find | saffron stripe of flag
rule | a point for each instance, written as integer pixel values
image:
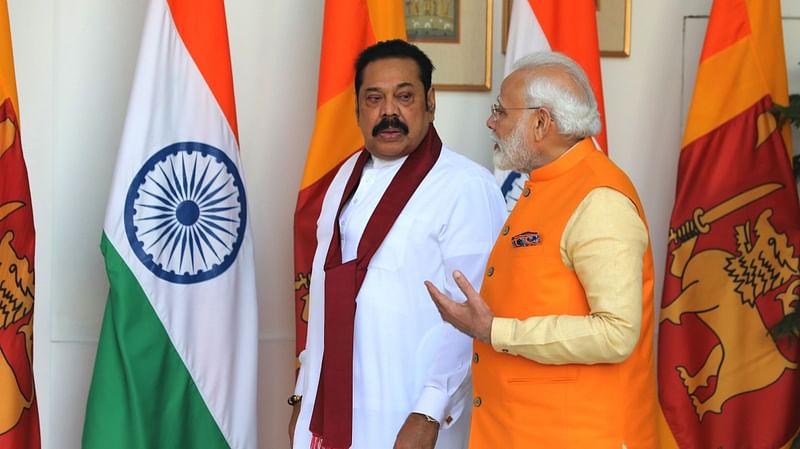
(176, 364)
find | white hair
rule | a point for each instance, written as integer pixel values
(574, 116)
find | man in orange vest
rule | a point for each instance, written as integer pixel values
(563, 324)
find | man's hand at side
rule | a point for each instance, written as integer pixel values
(293, 423)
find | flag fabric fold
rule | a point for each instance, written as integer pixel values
(349, 26)
(552, 25)
(176, 363)
(733, 264)
(19, 415)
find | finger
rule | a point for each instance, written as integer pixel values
(463, 283)
(443, 303)
(437, 296)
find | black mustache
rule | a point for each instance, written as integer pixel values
(393, 122)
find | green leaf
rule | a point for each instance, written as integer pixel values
(790, 113)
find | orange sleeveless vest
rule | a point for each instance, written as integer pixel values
(522, 404)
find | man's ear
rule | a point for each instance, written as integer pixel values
(430, 100)
(542, 122)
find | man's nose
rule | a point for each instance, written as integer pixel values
(490, 122)
(389, 108)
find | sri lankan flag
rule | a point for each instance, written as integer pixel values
(19, 416)
(349, 26)
(733, 268)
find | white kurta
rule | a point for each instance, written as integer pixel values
(406, 358)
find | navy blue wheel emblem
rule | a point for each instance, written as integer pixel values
(185, 213)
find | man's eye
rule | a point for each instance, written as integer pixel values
(372, 99)
(405, 97)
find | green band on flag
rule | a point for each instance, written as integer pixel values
(128, 408)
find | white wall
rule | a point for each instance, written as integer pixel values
(75, 63)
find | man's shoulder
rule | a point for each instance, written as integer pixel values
(458, 164)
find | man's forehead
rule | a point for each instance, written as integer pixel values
(378, 86)
(511, 87)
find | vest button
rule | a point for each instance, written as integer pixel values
(475, 357)
(490, 271)
(477, 401)
(505, 230)
(526, 192)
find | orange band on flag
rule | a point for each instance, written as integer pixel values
(717, 99)
(345, 33)
(335, 137)
(8, 82)
(731, 27)
(201, 25)
(383, 16)
(740, 31)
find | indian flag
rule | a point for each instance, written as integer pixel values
(177, 359)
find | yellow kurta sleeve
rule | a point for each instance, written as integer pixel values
(604, 243)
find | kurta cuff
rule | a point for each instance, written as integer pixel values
(433, 402)
(502, 337)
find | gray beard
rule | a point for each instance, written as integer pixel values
(511, 154)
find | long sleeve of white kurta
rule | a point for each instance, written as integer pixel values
(462, 241)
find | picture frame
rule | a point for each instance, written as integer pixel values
(457, 36)
(613, 26)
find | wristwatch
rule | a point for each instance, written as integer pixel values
(294, 399)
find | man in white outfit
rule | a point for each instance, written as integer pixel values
(380, 368)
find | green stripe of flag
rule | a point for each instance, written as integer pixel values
(127, 408)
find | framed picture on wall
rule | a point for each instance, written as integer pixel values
(613, 26)
(457, 36)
